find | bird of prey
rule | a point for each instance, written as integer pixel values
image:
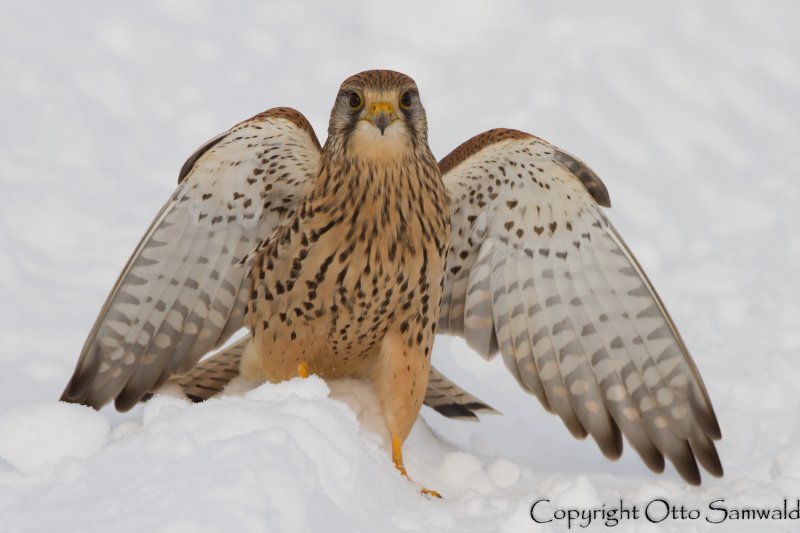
(347, 259)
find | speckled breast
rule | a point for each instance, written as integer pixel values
(337, 280)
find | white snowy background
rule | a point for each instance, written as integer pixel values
(688, 110)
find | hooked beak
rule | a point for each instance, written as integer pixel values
(380, 115)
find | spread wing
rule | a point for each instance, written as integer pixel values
(183, 291)
(537, 272)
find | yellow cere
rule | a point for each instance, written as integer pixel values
(381, 106)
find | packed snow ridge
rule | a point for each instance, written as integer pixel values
(285, 457)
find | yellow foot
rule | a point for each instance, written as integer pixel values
(397, 458)
(302, 369)
(431, 493)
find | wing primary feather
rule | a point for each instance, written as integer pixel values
(500, 309)
(583, 385)
(523, 346)
(149, 361)
(544, 350)
(704, 409)
(657, 379)
(197, 283)
(110, 381)
(657, 421)
(79, 388)
(163, 284)
(207, 338)
(620, 395)
(705, 451)
(149, 347)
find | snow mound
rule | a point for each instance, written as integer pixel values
(299, 456)
(503, 473)
(577, 493)
(36, 435)
(284, 457)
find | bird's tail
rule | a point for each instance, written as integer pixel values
(452, 401)
(210, 376)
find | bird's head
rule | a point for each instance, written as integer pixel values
(378, 115)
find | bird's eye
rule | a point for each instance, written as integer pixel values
(355, 100)
(405, 99)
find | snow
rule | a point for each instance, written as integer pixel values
(576, 493)
(787, 464)
(503, 473)
(35, 435)
(687, 110)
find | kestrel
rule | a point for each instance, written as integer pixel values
(345, 260)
